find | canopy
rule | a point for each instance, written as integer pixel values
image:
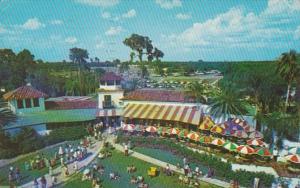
(255, 142)
(245, 149)
(265, 152)
(193, 136)
(151, 129)
(207, 123)
(184, 114)
(230, 146)
(293, 158)
(294, 150)
(218, 142)
(206, 139)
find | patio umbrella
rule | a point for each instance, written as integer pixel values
(264, 152)
(240, 134)
(151, 129)
(293, 158)
(86, 171)
(217, 129)
(207, 123)
(193, 136)
(223, 125)
(162, 130)
(228, 132)
(256, 134)
(218, 142)
(245, 149)
(230, 146)
(174, 131)
(128, 127)
(255, 142)
(234, 126)
(248, 128)
(294, 150)
(183, 133)
(205, 139)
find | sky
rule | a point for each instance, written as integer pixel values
(185, 30)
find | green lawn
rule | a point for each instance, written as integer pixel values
(118, 163)
(28, 176)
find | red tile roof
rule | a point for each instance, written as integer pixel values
(110, 76)
(24, 92)
(70, 102)
(159, 95)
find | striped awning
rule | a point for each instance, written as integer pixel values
(184, 114)
(109, 112)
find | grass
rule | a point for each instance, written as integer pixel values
(118, 163)
(28, 176)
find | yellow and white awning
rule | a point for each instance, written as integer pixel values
(184, 114)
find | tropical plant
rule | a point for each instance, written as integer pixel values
(288, 70)
(227, 103)
(198, 91)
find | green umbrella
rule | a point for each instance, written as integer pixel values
(230, 146)
(205, 139)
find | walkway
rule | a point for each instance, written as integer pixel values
(94, 150)
(173, 167)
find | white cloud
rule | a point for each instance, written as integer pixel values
(297, 33)
(99, 3)
(56, 22)
(131, 13)
(71, 40)
(183, 16)
(33, 24)
(106, 15)
(114, 31)
(169, 4)
(282, 6)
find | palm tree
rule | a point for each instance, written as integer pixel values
(287, 69)
(6, 115)
(198, 90)
(226, 104)
(124, 66)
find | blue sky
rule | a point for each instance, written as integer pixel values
(212, 30)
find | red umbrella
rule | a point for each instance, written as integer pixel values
(255, 142)
(293, 158)
(265, 152)
(218, 142)
(245, 149)
(174, 131)
(128, 127)
(151, 129)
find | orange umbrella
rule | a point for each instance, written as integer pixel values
(244, 149)
(151, 129)
(217, 129)
(174, 131)
(207, 123)
(218, 142)
(193, 136)
(255, 142)
(293, 158)
(206, 139)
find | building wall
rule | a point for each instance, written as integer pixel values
(14, 106)
(115, 97)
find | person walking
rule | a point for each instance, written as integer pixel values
(35, 183)
(43, 182)
(126, 150)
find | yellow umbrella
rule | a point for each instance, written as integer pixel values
(207, 123)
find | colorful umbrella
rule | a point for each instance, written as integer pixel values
(218, 142)
(294, 150)
(193, 136)
(248, 128)
(206, 139)
(128, 127)
(293, 158)
(217, 129)
(174, 131)
(207, 123)
(151, 129)
(162, 130)
(255, 142)
(234, 126)
(240, 134)
(228, 132)
(183, 133)
(223, 125)
(245, 149)
(230, 146)
(256, 134)
(264, 152)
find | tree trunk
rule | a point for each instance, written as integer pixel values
(287, 96)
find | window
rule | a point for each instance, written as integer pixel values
(118, 82)
(28, 103)
(102, 82)
(110, 82)
(20, 104)
(36, 102)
